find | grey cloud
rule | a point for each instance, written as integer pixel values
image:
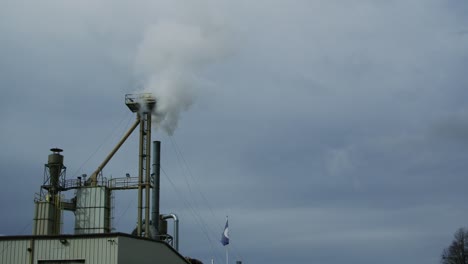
(332, 132)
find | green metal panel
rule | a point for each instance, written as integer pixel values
(147, 252)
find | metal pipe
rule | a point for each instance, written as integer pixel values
(148, 173)
(156, 187)
(31, 251)
(176, 229)
(93, 178)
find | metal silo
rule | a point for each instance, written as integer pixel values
(92, 213)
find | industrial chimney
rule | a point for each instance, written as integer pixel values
(48, 214)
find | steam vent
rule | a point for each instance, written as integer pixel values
(90, 198)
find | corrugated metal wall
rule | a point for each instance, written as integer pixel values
(14, 251)
(93, 250)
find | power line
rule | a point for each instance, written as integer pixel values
(181, 159)
(111, 135)
(194, 213)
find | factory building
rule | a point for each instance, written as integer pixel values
(112, 248)
(93, 241)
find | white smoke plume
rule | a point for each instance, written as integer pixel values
(170, 59)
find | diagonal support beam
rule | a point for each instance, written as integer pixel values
(93, 178)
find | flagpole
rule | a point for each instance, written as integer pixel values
(227, 254)
(227, 246)
(225, 240)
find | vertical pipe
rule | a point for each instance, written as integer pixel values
(140, 176)
(31, 251)
(176, 229)
(176, 232)
(156, 188)
(148, 174)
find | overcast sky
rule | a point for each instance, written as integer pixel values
(329, 131)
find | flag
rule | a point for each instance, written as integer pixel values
(225, 236)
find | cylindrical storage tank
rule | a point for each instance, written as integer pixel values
(55, 165)
(46, 219)
(92, 214)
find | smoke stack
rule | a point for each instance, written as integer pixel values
(156, 181)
